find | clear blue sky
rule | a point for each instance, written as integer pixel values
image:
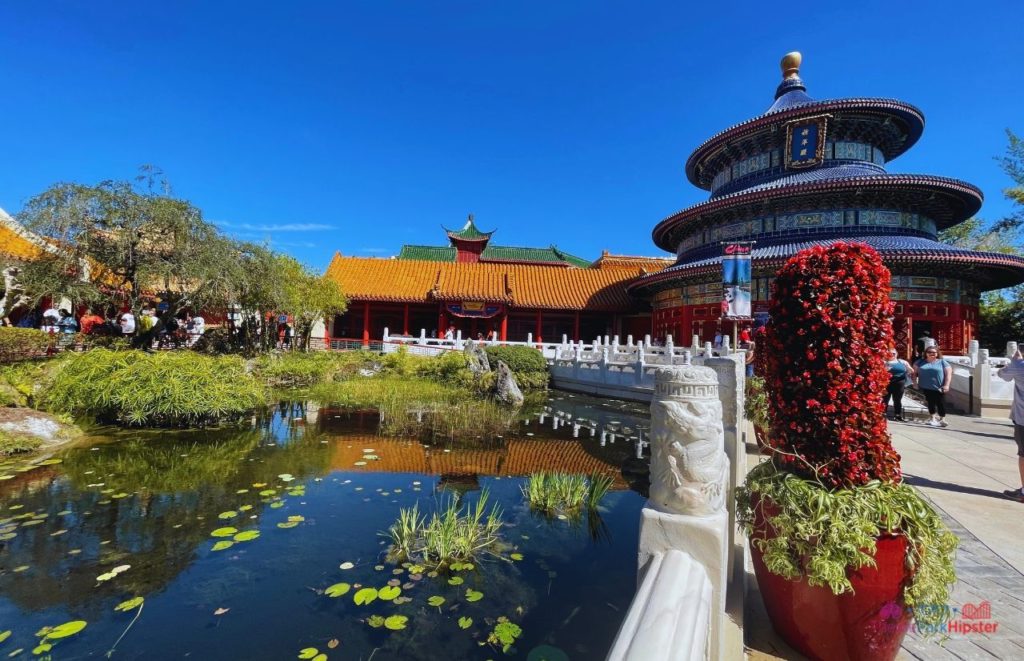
(362, 126)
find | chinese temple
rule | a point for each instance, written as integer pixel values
(476, 288)
(809, 172)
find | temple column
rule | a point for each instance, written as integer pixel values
(576, 327)
(504, 327)
(366, 324)
(405, 320)
(442, 322)
(536, 336)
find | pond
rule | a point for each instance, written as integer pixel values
(301, 502)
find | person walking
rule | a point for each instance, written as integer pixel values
(1015, 372)
(127, 322)
(900, 372)
(89, 321)
(932, 374)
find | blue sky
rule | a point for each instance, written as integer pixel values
(360, 126)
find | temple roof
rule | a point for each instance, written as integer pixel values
(946, 201)
(518, 285)
(491, 253)
(469, 232)
(989, 269)
(14, 239)
(638, 264)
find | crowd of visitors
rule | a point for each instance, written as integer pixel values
(183, 330)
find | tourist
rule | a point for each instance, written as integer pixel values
(745, 335)
(922, 343)
(146, 320)
(718, 340)
(1015, 372)
(127, 322)
(67, 324)
(900, 372)
(89, 321)
(750, 358)
(196, 330)
(51, 317)
(449, 334)
(932, 374)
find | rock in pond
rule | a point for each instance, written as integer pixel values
(506, 390)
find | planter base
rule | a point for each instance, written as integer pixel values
(869, 623)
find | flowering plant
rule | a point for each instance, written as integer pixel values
(824, 369)
(832, 459)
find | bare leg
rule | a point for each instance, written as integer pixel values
(1020, 469)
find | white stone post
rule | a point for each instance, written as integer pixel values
(731, 388)
(972, 350)
(458, 339)
(687, 510)
(708, 351)
(725, 350)
(529, 339)
(669, 350)
(385, 338)
(629, 341)
(647, 341)
(1011, 348)
(695, 345)
(423, 336)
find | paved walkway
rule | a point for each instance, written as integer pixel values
(962, 470)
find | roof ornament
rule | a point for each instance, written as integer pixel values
(791, 65)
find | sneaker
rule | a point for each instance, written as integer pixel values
(943, 423)
(1014, 494)
(934, 423)
(900, 418)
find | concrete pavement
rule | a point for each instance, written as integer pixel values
(962, 470)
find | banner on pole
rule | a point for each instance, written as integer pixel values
(736, 281)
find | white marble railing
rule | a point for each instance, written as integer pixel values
(669, 619)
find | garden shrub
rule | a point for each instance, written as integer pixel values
(23, 343)
(13, 443)
(301, 369)
(165, 389)
(528, 365)
(113, 342)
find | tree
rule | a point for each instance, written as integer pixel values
(1013, 165)
(308, 297)
(120, 243)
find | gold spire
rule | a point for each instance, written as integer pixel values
(791, 65)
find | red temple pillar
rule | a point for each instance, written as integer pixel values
(366, 324)
(536, 336)
(576, 327)
(405, 320)
(504, 327)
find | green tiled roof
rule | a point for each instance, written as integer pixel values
(469, 231)
(494, 253)
(428, 253)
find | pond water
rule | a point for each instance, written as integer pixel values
(131, 514)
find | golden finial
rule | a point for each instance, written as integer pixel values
(791, 65)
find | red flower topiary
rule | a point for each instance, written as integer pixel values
(822, 358)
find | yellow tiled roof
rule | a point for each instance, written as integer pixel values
(520, 285)
(631, 262)
(13, 243)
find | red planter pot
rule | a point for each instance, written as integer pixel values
(868, 623)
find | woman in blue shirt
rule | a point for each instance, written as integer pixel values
(899, 372)
(932, 374)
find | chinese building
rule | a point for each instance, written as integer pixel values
(809, 172)
(474, 287)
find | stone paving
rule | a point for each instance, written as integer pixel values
(962, 470)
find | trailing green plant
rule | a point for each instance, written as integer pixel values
(166, 389)
(821, 533)
(453, 533)
(565, 493)
(301, 369)
(23, 343)
(755, 402)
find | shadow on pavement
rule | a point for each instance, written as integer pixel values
(917, 481)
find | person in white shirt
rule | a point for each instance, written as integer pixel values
(51, 316)
(127, 323)
(1015, 372)
(195, 331)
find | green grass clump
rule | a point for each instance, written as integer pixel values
(166, 389)
(565, 493)
(527, 365)
(297, 369)
(453, 534)
(11, 444)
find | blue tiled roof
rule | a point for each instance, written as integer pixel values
(890, 247)
(773, 180)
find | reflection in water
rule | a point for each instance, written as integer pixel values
(317, 485)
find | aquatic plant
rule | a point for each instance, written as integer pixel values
(565, 493)
(11, 443)
(452, 534)
(166, 389)
(301, 369)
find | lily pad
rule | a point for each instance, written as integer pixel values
(230, 514)
(337, 590)
(516, 556)
(287, 524)
(223, 544)
(465, 622)
(286, 477)
(389, 593)
(396, 622)
(104, 577)
(4, 635)
(247, 536)
(346, 565)
(308, 652)
(365, 596)
(455, 580)
(224, 532)
(66, 629)
(268, 492)
(436, 600)
(276, 504)
(547, 653)
(130, 604)
(297, 518)
(473, 595)
(245, 508)
(375, 621)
